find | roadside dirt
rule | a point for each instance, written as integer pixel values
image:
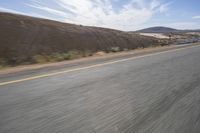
(95, 57)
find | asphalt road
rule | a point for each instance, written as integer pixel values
(159, 93)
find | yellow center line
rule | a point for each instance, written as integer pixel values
(87, 67)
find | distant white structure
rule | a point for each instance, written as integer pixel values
(156, 35)
(194, 33)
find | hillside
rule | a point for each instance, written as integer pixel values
(24, 37)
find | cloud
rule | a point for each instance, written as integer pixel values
(37, 4)
(2, 9)
(196, 17)
(11, 10)
(102, 13)
(164, 7)
(184, 25)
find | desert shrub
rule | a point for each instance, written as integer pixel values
(125, 49)
(3, 62)
(12, 61)
(115, 49)
(74, 54)
(56, 57)
(66, 56)
(87, 53)
(40, 59)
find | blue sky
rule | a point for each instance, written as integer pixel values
(118, 14)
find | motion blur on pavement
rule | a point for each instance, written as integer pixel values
(101, 66)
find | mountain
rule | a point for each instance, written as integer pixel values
(158, 30)
(23, 37)
(161, 29)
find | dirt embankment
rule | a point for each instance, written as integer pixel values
(23, 38)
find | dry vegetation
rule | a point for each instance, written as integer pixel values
(27, 40)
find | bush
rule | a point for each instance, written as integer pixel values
(40, 59)
(87, 53)
(125, 49)
(12, 61)
(115, 49)
(66, 56)
(3, 63)
(74, 54)
(56, 57)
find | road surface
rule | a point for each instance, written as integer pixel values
(155, 93)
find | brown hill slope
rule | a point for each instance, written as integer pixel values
(22, 37)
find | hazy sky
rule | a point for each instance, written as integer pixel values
(118, 14)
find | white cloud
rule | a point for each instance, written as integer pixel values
(184, 25)
(164, 7)
(11, 10)
(22, 13)
(196, 17)
(101, 12)
(50, 10)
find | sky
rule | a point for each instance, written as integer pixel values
(126, 15)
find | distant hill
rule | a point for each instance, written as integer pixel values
(164, 30)
(158, 30)
(23, 37)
